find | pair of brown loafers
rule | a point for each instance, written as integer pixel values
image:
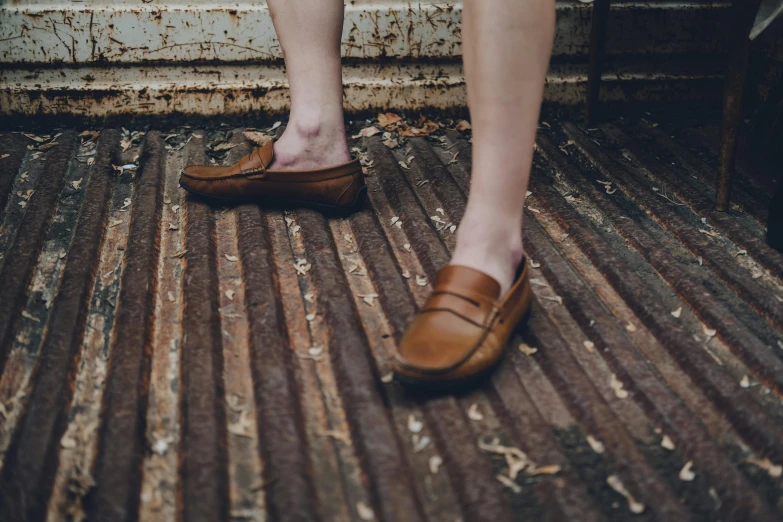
(460, 333)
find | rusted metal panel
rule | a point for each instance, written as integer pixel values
(201, 58)
(212, 374)
(36, 32)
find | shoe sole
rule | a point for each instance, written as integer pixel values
(354, 206)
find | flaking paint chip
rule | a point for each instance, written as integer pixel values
(115, 222)
(309, 298)
(774, 471)
(667, 443)
(231, 258)
(230, 295)
(407, 247)
(387, 378)
(510, 484)
(172, 226)
(533, 264)
(77, 184)
(677, 312)
(686, 473)
(367, 132)
(710, 333)
(369, 299)
(435, 462)
(406, 274)
(595, 444)
(552, 469)
(175, 208)
(315, 351)
(310, 317)
(421, 280)
(364, 511)
(617, 386)
(414, 425)
(527, 349)
(474, 413)
(589, 346)
(745, 382)
(420, 443)
(616, 484)
(630, 327)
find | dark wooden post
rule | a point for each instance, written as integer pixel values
(743, 13)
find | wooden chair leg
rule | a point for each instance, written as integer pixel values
(743, 13)
(597, 41)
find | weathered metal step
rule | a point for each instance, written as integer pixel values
(164, 358)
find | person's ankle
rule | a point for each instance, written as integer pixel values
(497, 252)
(311, 141)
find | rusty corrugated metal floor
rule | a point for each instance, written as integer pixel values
(165, 359)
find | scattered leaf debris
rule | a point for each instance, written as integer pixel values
(474, 413)
(364, 511)
(774, 470)
(414, 425)
(617, 386)
(616, 484)
(527, 350)
(686, 473)
(595, 444)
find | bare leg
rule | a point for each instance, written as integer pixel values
(309, 32)
(506, 48)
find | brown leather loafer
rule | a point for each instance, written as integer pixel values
(461, 332)
(339, 188)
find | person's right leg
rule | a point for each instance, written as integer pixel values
(309, 32)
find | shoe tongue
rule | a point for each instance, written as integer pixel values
(458, 277)
(260, 157)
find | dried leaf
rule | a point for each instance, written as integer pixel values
(220, 147)
(387, 119)
(259, 138)
(367, 132)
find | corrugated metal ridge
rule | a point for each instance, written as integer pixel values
(167, 358)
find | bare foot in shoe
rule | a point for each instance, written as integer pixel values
(311, 143)
(492, 248)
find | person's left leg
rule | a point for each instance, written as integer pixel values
(477, 300)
